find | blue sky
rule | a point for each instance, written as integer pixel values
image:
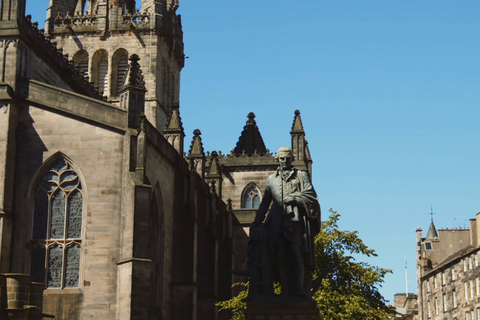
(388, 93)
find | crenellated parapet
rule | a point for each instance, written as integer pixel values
(78, 22)
(84, 23)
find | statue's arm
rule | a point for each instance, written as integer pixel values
(307, 193)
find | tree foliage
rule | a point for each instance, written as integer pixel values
(348, 289)
(344, 289)
(236, 305)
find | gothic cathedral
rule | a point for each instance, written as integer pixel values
(103, 214)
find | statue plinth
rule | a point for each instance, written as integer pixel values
(282, 310)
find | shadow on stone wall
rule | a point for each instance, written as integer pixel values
(21, 299)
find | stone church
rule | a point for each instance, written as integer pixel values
(103, 212)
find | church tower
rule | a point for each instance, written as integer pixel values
(101, 35)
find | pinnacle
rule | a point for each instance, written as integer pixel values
(250, 140)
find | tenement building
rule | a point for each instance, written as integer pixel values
(103, 214)
(448, 272)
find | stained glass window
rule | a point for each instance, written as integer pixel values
(55, 266)
(57, 227)
(72, 266)
(251, 197)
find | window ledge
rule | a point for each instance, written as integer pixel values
(48, 291)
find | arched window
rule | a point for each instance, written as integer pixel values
(251, 197)
(57, 227)
(119, 70)
(100, 70)
(80, 61)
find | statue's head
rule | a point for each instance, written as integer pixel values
(284, 157)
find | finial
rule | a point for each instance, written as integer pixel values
(134, 58)
(251, 119)
(431, 213)
(297, 112)
(197, 132)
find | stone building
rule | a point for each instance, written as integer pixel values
(448, 272)
(406, 306)
(99, 205)
(97, 202)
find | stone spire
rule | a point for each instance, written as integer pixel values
(301, 153)
(174, 131)
(196, 154)
(250, 140)
(298, 138)
(134, 77)
(214, 175)
(132, 94)
(196, 148)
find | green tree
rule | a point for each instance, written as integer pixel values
(347, 289)
(344, 289)
(236, 305)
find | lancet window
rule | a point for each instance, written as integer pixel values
(80, 60)
(119, 70)
(57, 227)
(251, 197)
(100, 70)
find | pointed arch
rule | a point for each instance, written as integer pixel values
(119, 70)
(100, 70)
(80, 61)
(158, 249)
(251, 196)
(56, 199)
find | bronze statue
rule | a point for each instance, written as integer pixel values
(283, 249)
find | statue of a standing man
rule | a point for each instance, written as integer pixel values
(292, 223)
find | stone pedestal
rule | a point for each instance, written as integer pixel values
(282, 310)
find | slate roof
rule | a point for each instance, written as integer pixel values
(432, 232)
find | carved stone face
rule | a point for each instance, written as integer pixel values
(284, 160)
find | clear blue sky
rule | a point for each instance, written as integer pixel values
(388, 93)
